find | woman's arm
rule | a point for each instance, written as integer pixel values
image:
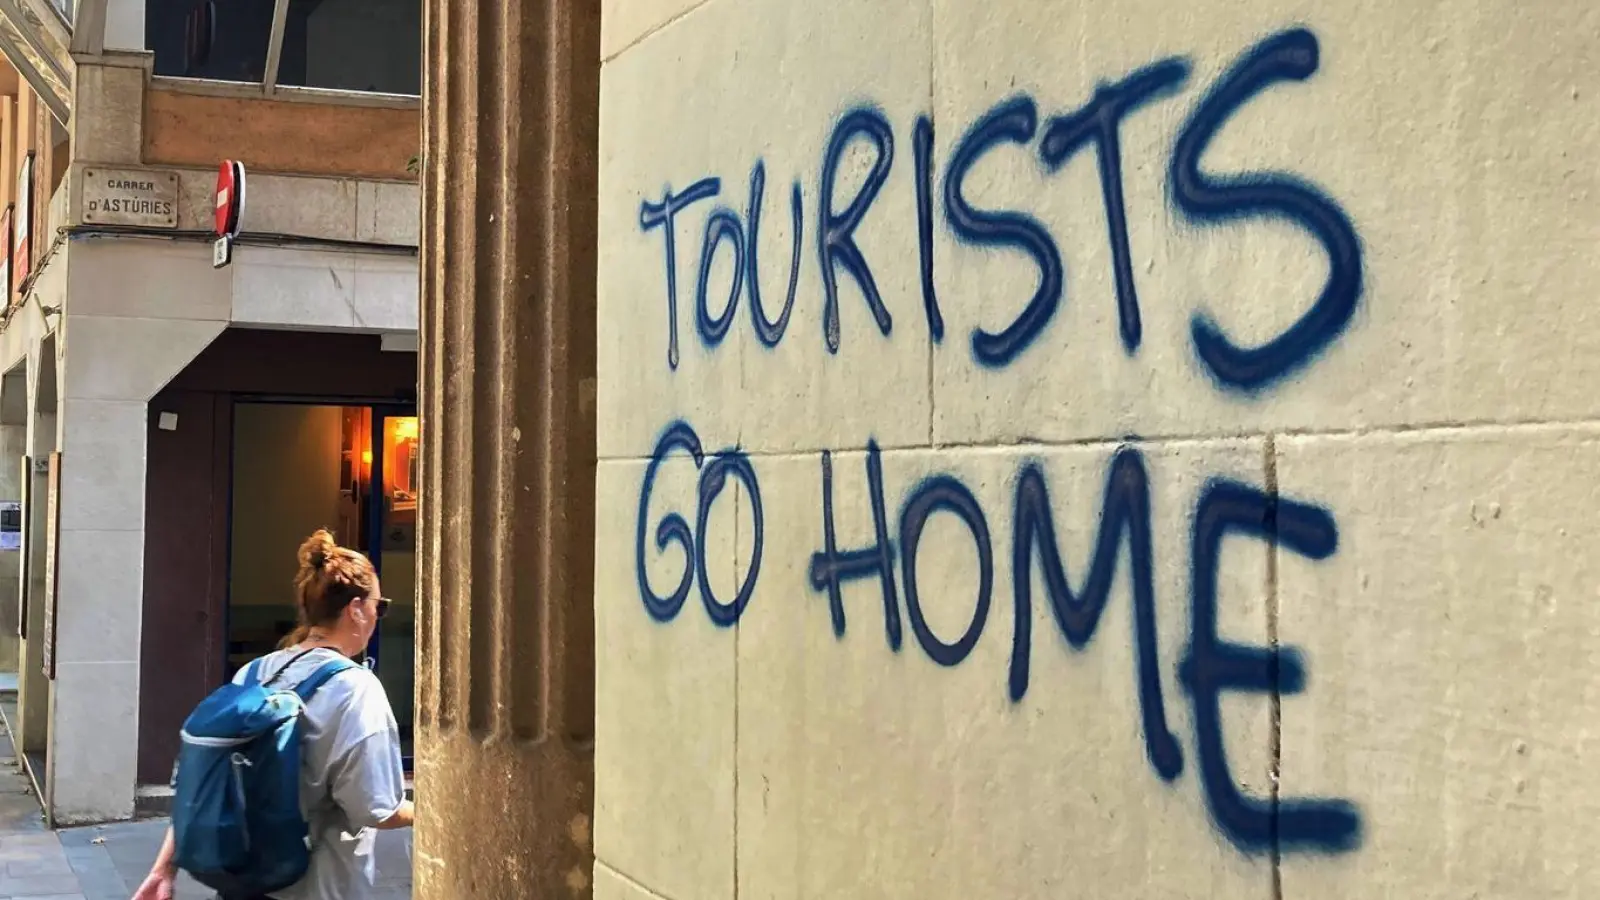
(158, 885)
(402, 818)
(169, 849)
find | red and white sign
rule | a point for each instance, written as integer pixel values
(230, 207)
(230, 197)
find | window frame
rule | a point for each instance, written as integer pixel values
(211, 87)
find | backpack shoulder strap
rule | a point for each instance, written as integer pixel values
(256, 667)
(317, 679)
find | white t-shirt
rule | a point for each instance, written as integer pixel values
(352, 777)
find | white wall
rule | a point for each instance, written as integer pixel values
(162, 285)
(124, 24)
(1372, 374)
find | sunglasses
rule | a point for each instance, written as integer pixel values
(383, 606)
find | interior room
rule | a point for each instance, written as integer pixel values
(299, 467)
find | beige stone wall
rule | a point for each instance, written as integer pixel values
(297, 138)
(1259, 326)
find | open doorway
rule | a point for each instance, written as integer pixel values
(298, 467)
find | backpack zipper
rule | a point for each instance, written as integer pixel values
(239, 763)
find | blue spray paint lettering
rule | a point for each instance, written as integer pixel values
(830, 567)
(943, 492)
(1290, 55)
(661, 215)
(922, 154)
(712, 479)
(770, 331)
(674, 529)
(722, 225)
(1015, 121)
(1098, 123)
(1211, 665)
(836, 243)
(1214, 665)
(1126, 509)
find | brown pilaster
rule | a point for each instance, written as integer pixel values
(506, 623)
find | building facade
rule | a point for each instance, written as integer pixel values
(173, 427)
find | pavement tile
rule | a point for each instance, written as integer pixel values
(104, 885)
(97, 875)
(86, 858)
(43, 840)
(38, 885)
(47, 864)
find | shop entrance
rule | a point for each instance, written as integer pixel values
(351, 469)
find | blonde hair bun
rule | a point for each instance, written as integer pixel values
(317, 549)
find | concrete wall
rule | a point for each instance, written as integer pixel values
(1177, 474)
(125, 24)
(186, 129)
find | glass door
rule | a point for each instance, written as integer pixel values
(392, 545)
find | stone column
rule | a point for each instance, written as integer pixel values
(505, 623)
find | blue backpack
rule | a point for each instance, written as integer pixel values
(236, 818)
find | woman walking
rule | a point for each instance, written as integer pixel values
(352, 781)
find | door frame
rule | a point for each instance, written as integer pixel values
(374, 513)
(388, 406)
(380, 408)
(382, 412)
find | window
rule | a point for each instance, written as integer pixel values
(353, 45)
(220, 40)
(346, 45)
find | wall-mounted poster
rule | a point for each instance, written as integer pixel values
(10, 525)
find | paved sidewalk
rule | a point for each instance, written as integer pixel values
(108, 862)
